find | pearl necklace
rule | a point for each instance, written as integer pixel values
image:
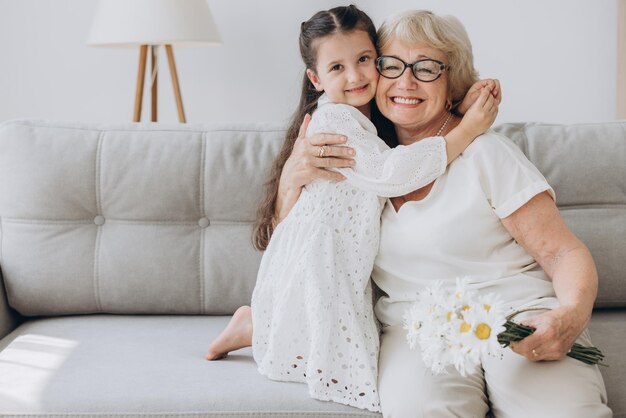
(440, 131)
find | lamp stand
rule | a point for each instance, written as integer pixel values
(154, 79)
(143, 55)
(174, 75)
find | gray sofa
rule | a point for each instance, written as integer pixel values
(124, 249)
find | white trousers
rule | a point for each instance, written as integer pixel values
(507, 387)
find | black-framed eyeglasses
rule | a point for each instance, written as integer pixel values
(425, 70)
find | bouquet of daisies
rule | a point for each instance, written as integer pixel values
(457, 327)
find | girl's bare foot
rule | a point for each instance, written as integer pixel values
(236, 335)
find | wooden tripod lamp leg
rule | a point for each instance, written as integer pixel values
(179, 99)
(141, 72)
(154, 78)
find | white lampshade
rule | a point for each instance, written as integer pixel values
(128, 23)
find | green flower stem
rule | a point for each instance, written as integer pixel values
(515, 332)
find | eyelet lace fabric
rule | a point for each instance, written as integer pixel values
(379, 169)
(312, 307)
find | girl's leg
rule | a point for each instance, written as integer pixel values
(236, 335)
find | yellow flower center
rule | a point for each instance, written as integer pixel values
(449, 316)
(483, 331)
(465, 308)
(487, 307)
(465, 327)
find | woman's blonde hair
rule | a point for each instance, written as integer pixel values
(445, 33)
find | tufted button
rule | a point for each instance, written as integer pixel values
(203, 222)
(99, 220)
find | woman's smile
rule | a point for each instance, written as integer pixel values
(404, 101)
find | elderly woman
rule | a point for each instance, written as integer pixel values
(491, 217)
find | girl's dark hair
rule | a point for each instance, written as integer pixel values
(342, 19)
(384, 127)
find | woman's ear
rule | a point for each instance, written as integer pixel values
(315, 80)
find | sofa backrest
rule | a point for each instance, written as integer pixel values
(586, 166)
(130, 218)
(158, 219)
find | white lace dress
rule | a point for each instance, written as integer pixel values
(312, 309)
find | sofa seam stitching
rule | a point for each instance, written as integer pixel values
(269, 129)
(43, 124)
(202, 229)
(195, 414)
(121, 221)
(96, 258)
(201, 272)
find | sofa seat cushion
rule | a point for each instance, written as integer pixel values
(608, 333)
(138, 365)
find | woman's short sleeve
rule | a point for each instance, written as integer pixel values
(506, 176)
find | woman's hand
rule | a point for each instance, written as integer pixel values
(474, 93)
(555, 333)
(309, 160)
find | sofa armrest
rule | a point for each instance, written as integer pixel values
(9, 319)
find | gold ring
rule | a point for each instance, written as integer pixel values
(322, 152)
(534, 352)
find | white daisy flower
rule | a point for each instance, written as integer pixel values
(454, 326)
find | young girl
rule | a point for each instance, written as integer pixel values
(312, 305)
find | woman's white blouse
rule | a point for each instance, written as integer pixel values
(456, 231)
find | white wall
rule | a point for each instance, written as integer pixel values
(556, 60)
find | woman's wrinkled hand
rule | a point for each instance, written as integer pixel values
(555, 333)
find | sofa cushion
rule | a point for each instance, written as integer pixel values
(157, 218)
(8, 318)
(586, 166)
(607, 330)
(138, 365)
(130, 218)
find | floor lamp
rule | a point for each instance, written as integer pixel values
(150, 24)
